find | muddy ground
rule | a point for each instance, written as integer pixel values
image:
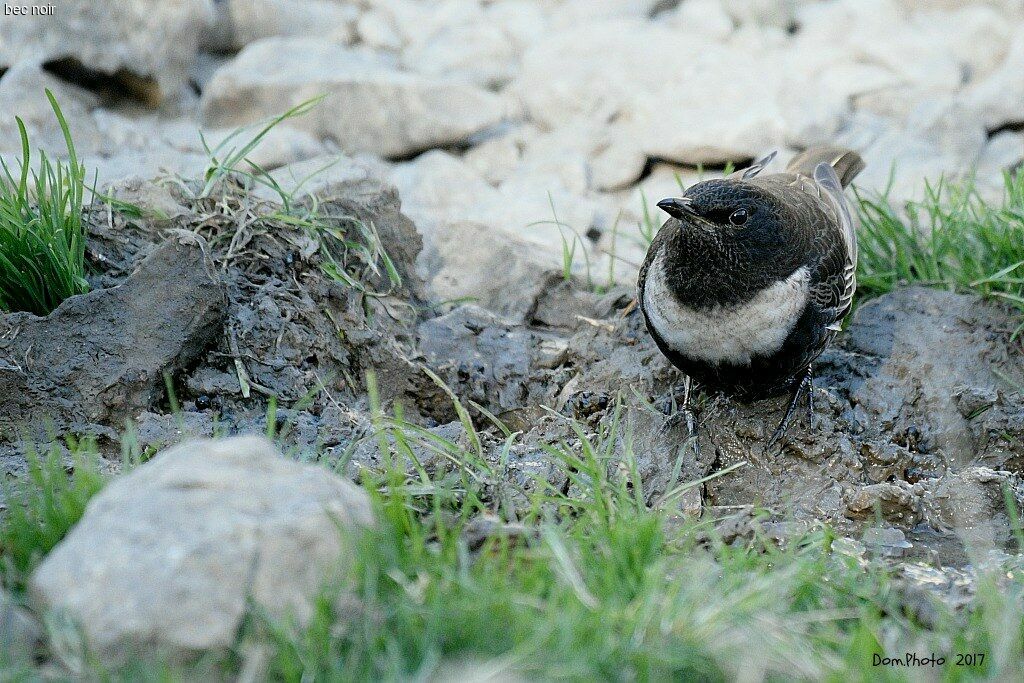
(914, 445)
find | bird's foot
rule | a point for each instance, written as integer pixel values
(680, 416)
(684, 413)
(805, 386)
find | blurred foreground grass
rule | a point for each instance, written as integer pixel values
(590, 584)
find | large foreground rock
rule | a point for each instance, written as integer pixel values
(101, 356)
(153, 39)
(168, 556)
(371, 107)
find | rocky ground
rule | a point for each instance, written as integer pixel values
(498, 114)
(418, 241)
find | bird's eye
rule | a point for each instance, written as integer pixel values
(738, 217)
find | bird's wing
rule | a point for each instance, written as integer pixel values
(834, 292)
(755, 168)
(826, 177)
(846, 163)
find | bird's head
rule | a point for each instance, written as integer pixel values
(728, 209)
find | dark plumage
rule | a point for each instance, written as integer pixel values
(750, 279)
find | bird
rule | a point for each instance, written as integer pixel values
(752, 275)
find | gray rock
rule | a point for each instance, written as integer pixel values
(240, 22)
(493, 269)
(153, 164)
(22, 94)
(377, 30)
(154, 40)
(167, 557)
(928, 49)
(316, 176)
(885, 537)
(579, 157)
(938, 138)
(645, 89)
(896, 502)
(996, 98)
(972, 503)
(481, 357)
(152, 198)
(575, 12)
(479, 53)
(760, 12)
(710, 17)
(282, 145)
(495, 158)
(371, 107)
(100, 357)
(439, 189)
(348, 191)
(1004, 151)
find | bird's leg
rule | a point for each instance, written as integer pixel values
(810, 397)
(803, 386)
(691, 421)
(683, 412)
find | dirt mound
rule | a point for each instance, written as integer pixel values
(100, 357)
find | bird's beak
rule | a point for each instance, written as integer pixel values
(677, 208)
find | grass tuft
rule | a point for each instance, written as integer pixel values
(953, 238)
(228, 156)
(42, 242)
(351, 251)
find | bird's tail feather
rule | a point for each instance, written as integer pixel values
(846, 163)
